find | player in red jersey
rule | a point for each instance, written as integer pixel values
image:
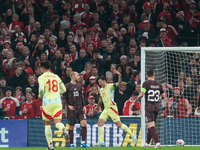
(9, 105)
(26, 106)
(152, 91)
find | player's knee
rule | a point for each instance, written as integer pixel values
(71, 127)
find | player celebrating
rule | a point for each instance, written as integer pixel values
(110, 108)
(50, 88)
(152, 91)
(75, 102)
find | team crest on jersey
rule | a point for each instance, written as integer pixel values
(11, 102)
(74, 88)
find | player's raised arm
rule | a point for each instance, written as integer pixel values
(119, 78)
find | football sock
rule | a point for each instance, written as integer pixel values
(148, 136)
(60, 126)
(126, 129)
(101, 133)
(154, 134)
(83, 133)
(48, 134)
(71, 136)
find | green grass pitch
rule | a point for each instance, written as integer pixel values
(104, 148)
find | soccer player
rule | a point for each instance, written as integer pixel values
(50, 88)
(152, 91)
(110, 108)
(74, 100)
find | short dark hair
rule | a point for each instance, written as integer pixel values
(103, 78)
(135, 93)
(95, 67)
(136, 73)
(45, 64)
(95, 51)
(150, 72)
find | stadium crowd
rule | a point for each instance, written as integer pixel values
(93, 37)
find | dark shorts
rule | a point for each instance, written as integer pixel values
(151, 116)
(72, 115)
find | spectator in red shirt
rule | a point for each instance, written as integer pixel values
(136, 109)
(94, 38)
(166, 12)
(30, 28)
(18, 94)
(177, 105)
(36, 111)
(164, 38)
(26, 106)
(78, 6)
(170, 30)
(88, 39)
(90, 111)
(9, 105)
(86, 15)
(92, 81)
(15, 19)
(77, 22)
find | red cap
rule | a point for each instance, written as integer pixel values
(147, 4)
(7, 42)
(146, 21)
(176, 88)
(19, 45)
(92, 78)
(90, 97)
(91, 29)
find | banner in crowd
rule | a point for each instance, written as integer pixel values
(114, 136)
(13, 133)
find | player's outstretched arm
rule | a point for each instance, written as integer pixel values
(62, 88)
(119, 78)
(99, 103)
(138, 98)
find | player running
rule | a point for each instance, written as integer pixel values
(152, 91)
(50, 88)
(74, 100)
(110, 108)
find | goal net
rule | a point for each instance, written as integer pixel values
(178, 70)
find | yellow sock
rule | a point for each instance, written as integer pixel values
(48, 134)
(101, 133)
(126, 129)
(60, 126)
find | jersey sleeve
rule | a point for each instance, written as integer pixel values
(41, 86)
(112, 86)
(144, 87)
(161, 89)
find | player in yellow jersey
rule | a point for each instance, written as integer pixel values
(110, 108)
(50, 88)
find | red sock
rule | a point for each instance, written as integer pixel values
(154, 134)
(149, 136)
(71, 135)
(83, 133)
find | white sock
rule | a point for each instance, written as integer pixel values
(82, 142)
(157, 143)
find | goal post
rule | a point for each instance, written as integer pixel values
(168, 62)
